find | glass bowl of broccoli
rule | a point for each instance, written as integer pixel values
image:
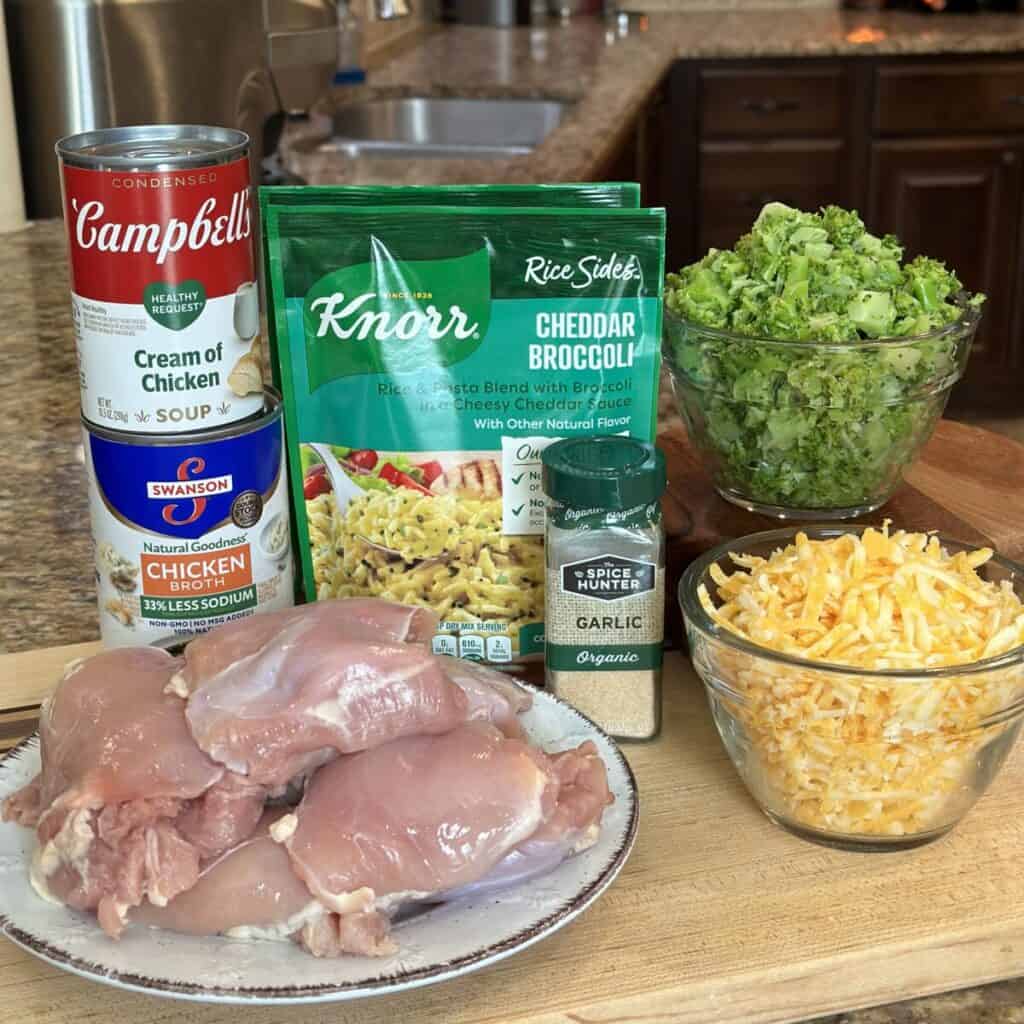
(811, 363)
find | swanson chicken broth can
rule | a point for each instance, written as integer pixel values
(163, 286)
(190, 530)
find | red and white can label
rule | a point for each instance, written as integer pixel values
(164, 296)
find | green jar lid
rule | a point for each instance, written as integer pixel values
(606, 472)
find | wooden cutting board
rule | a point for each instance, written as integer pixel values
(718, 918)
(968, 484)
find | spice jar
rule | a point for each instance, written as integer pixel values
(605, 587)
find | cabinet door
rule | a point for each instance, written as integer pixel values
(638, 155)
(738, 178)
(959, 201)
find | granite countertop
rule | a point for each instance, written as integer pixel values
(46, 575)
(608, 77)
(47, 593)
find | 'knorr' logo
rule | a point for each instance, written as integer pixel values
(396, 316)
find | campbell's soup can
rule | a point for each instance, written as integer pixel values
(163, 286)
(190, 530)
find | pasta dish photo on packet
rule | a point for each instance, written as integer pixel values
(442, 549)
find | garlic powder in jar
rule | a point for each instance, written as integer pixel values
(605, 585)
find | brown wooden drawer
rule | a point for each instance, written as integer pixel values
(737, 179)
(774, 102)
(950, 99)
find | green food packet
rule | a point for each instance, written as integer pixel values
(617, 193)
(428, 355)
(570, 194)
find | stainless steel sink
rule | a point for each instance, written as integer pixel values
(452, 128)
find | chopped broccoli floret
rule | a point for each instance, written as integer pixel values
(815, 427)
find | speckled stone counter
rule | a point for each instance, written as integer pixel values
(46, 575)
(608, 77)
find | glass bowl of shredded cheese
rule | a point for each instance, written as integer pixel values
(867, 685)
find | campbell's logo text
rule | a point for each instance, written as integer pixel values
(134, 231)
(208, 228)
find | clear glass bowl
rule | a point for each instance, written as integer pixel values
(809, 430)
(855, 759)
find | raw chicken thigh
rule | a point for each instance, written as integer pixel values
(354, 618)
(249, 892)
(574, 825)
(310, 693)
(109, 733)
(275, 695)
(253, 892)
(424, 817)
(492, 696)
(126, 804)
(152, 805)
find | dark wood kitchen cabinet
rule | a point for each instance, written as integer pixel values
(738, 178)
(949, 96)
(760, 131)
(959, 200)
(772, 102)
(931, 149)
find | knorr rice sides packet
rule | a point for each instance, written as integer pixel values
(572, 194)
(427, 356)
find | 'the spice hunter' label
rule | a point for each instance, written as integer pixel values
(608, 578)
(605, 614)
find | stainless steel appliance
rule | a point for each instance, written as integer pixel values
(83, 64)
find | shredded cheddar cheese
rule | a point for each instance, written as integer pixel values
(845, 753)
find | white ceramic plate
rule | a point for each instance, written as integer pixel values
(446, 942)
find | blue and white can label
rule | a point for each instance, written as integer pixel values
(190, 531)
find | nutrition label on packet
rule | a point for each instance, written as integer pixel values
(522, 496)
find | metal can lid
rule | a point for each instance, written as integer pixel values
(604, 472)
(153, 147)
